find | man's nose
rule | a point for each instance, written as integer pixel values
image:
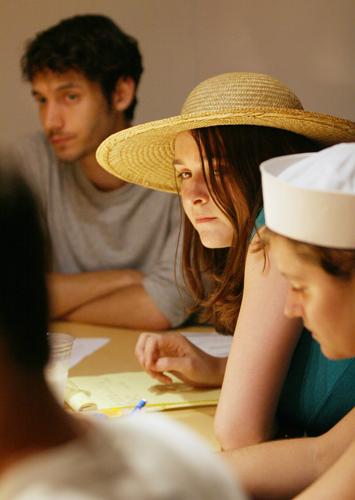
(52, 118)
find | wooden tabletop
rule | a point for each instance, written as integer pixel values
(118, 356)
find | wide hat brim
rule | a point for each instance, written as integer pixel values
(144, 154)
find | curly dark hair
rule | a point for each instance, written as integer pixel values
(91, 44)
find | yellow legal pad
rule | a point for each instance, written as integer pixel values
(115, 393)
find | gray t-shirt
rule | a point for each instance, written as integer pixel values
(129, 228)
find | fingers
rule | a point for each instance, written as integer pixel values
(193, 369)
(180, 366)
(161, 377)
(150, 346)
(140, 349)
(147, 352)
(160, 353)
(167, 364)
(151, 352)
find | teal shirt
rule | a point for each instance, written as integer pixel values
(260, 220)
(317, 391)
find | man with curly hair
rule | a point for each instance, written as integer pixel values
(112, 243)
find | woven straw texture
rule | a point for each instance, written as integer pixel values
(144, 154)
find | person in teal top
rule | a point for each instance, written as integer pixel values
(316, 255)
(317, 391)
(210, 156)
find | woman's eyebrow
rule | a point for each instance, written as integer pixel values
(176, 161)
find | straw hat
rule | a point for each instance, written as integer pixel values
(311, 197)
(143, 154)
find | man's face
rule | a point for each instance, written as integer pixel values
(74, 113)
(324, 302)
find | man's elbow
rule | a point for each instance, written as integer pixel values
(57, 312)
(157, 322)
(148, 317)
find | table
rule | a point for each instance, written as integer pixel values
(118, 356)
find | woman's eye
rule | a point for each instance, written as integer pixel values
(297, 289)
(183, 175)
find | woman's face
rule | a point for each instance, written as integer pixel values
(326, 303)
(213, 227)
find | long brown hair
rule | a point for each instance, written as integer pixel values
(215, 277)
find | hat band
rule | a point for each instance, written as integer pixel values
(315, 217)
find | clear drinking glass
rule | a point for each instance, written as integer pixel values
(57, 368)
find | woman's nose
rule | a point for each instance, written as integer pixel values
(195, 191)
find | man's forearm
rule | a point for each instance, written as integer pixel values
(127, 307)
(68, 292)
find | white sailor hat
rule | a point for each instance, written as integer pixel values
(311, 197)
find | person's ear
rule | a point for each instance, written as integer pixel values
(124, 93)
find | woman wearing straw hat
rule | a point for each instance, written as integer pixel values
(229, 124)
(317, 257)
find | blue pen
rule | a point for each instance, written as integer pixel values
(141, 404)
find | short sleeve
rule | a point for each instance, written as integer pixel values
(260, 220)
(165, 283)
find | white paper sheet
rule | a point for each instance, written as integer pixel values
(83, 347)
(212, 343)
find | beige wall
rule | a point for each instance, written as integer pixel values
(308, 44)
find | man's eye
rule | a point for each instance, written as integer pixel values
(298, 289)
(72, 97)
(40, 100)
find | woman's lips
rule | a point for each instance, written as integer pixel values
(200, 220)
